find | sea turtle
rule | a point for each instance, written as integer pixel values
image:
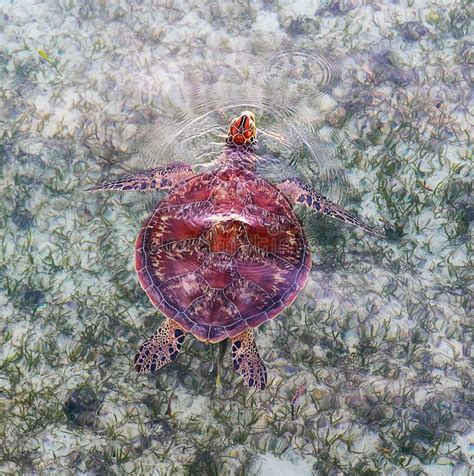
(223, 252)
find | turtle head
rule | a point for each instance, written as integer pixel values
(242, 130)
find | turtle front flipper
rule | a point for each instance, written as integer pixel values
(160, 349)
(247, 361)
(299, 193)
(153, 179)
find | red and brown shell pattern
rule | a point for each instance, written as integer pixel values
(224, 252)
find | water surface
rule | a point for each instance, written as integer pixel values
(370, 103)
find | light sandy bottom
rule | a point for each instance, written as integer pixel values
(369, 103)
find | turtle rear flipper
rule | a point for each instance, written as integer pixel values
(247, 361)
(160, 349)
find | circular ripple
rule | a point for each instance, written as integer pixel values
(284, 94)
(310, 72)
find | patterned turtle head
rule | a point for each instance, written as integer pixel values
(242, 130)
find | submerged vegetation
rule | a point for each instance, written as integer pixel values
(380, 338)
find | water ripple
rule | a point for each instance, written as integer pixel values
(289, 97)
(313, 73)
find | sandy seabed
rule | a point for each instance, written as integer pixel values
(374, 105)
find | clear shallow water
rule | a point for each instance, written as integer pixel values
(372, 102)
